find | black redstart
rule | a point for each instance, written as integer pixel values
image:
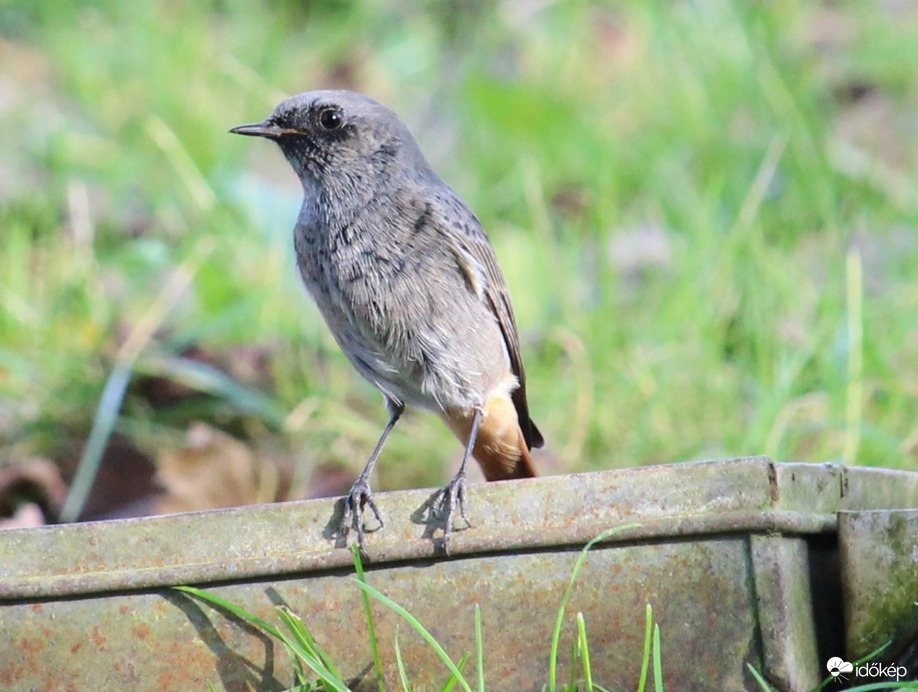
(407, 282)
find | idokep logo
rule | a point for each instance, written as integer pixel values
(838, 666)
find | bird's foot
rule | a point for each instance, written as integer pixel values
(357, 499)
(445, 502)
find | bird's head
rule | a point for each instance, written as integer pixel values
(327, 135)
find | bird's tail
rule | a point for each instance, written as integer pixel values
(500, 447)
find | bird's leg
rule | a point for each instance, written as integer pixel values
(455, 493)
(360, 494)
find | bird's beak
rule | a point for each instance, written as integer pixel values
(264, 129)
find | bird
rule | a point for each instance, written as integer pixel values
(409, 286)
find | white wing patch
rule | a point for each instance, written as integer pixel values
(472, 271)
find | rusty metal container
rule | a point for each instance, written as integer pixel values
(744, 561)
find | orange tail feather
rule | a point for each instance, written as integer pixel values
(500, 448)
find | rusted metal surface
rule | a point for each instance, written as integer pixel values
(163, 641)
(721, 554)
(879, 556)
(780, 570)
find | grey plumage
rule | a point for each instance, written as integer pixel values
(398, 265)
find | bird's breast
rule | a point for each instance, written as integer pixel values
(403, 312)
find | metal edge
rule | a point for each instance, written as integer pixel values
(462, 545)
(750, 494)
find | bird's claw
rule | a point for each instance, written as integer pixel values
(444, 504)
(359, 497)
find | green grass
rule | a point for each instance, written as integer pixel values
(831, 681)
(706, 214)
(313, 668)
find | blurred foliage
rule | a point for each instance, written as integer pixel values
(706, 212)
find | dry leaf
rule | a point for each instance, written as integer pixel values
(213, 470)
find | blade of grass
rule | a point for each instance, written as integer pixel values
(451, 683)
(763, 683)
(758, 189)
(211, 380)
(299, 675)
(103, 424)
(231, 607)
(115, 387)
(304, 637)
(855, 328)
(297, 652)
(556, 635)
(402, 673)
(584, 648)
(368, 611)
(385, 600)
(193, 180)
(299, 636)
(572, 680)
(657, 660)
(648, 639)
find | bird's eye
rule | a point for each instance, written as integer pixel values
(330, 119)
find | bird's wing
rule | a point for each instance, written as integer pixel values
(478, 263)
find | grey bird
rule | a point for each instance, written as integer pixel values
(409, 285)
